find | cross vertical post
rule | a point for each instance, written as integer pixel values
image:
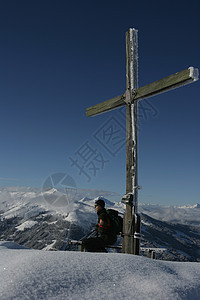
(129, 242)
(131, 112)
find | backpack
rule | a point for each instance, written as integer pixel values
(116, 221)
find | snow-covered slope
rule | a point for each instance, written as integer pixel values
(33, 274)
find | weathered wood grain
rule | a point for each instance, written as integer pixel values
(105, 106)
(131, 141)
(168, 83)
(160, 86)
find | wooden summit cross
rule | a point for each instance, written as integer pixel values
(131, 223)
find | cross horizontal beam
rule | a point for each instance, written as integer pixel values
(160, 86)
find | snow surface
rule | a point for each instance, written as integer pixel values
(35, 274)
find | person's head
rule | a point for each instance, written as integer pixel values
(99, 205)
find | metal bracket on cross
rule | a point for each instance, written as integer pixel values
(128, 199)
(129, 96)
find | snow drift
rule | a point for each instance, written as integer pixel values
(34, 274)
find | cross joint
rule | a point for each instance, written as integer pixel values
(129, 96)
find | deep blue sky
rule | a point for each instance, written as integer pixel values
(59, 57)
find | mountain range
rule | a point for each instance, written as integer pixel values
(48, 219)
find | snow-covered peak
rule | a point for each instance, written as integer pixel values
(85, 199)
(51, 191)
(197, 205)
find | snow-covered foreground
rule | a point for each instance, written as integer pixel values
(34, 274)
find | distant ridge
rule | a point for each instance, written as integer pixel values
(197, 205)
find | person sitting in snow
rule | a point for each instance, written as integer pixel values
(103, 228)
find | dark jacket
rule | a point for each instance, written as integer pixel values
(104, 227)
